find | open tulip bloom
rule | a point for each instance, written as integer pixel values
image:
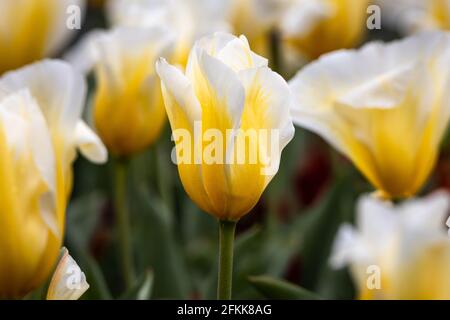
(40, 130)
(385, 106)
(226, 98)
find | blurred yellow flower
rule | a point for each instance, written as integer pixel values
(256, 19)
(315, 27)
(410, 16)
(385, 106)
(398, 252)
(228, 91)
(128, 108)
(40, 129)
(68, 281)
(31, 30)
(188, 20)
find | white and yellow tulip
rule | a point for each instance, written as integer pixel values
(226, 87)
(397, 252)
(385, 106)
(127, 104)
(40, 130)
(31, 30)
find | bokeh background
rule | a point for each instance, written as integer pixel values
(287, 236)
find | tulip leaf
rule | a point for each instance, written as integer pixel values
(318, 233)
(82, 219)
(155, 240)
(273, 288)
(142, 289)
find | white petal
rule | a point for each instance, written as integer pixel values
(343, 250)
(26, 131)
(59, 90)
(274, 91)
(179, 87)
(237, 55)
(385, 91)
(303, 16)
(356, 78)
(225, 84)
(114, 49)
(90, 144)
(84, 55)
(68, 281)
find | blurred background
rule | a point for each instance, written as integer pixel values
(287, 236)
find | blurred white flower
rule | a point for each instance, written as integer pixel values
(188, 20)
(385, 106)
(409, 16)
(408, 243)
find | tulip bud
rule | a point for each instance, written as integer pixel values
(230, 120)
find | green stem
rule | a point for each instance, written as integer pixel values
(226, 242)
(123, 223)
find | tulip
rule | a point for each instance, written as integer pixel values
(40, 131)
(397, 252)
(187, 20)
(227, 90)
(31, 30)
(128, 108)
(315, 27)
(68, 281)
(385, 106)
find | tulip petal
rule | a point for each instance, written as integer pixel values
(59, 90)
(183, 110)
(68, 281)
(266, 113)
(90, 144)
(222, 101)
(237, 55)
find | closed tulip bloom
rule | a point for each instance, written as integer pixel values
(315, 27)
(31, 30)
(397, 252)
(40, 130)
(385, 106)
(128, 107)
(226, 87)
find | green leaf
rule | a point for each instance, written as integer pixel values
(82, 219)
(155, 242)
(319, 229)
(273, 288)
(142, 289)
